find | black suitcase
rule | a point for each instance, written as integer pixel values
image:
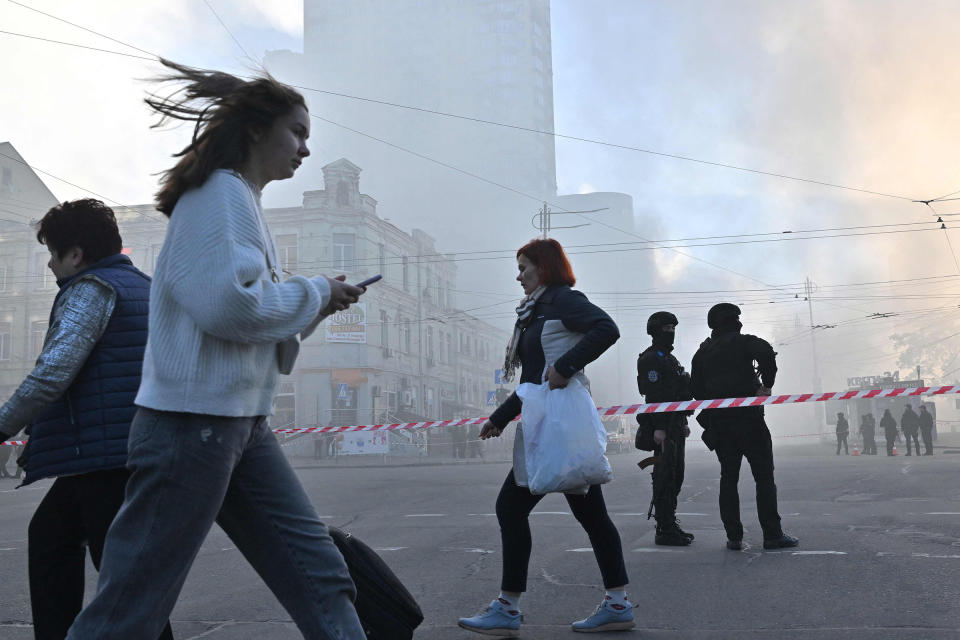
(386, 609)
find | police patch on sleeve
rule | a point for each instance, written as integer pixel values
(652, 376)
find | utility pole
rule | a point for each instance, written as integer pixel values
(544, 225)
(817, 387)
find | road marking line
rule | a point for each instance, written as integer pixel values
(943, 513)
(934, 555)
(424, 515)
(581, 549)
(551, 513)
(692, 514)
(389, 548)
(818, 553)
(481, 514)
(651, 550)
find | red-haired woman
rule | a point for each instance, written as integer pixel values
(558, 332)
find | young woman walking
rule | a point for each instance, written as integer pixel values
(222, 327)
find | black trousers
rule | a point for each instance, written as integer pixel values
(890, 440)
(514, 505)
(927, 441)
(914, 435)
(869, 444)
(750, 439)
(668, 477)
(842, 439)
(74, 516)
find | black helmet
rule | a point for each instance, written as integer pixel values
(659, 319)
(720, 312)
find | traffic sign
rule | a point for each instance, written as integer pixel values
(342, 391)
(498, 376)
(491, 398)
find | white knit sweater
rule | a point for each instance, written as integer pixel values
(215, 314)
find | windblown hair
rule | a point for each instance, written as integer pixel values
(226, 111)
(551, 262)
(88, 224)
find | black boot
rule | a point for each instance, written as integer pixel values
(690, 536)
(669, 534)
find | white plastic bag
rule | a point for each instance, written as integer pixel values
(564, 441)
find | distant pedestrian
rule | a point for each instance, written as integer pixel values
(926, 430)
(910, 426)
(843, 429)
(557, 333)
(889, 425)
(78, 403)
(723, 367)
(223, 326)
(868, 433)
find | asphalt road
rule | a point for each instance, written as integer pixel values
(879, 554)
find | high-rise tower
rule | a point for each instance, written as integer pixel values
(485, 59)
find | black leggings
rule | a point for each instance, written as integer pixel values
(514, 505)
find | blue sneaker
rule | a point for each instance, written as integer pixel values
(607, 617)
(495, 620)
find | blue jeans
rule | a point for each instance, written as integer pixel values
(187, 471)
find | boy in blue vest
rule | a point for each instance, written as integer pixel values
(77, 405)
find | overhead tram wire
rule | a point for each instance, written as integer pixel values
(230, 33)
(81, 27)
(76, 186)
(538, 131)
(503, 124)
(81, 46)
(946, 236)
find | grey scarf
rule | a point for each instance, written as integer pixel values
(524, 316)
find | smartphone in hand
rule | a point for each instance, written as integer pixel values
(369, 281)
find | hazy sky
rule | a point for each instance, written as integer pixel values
(861, 94)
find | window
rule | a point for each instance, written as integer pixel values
(449, 348)
(288, 253)
(3, 277)
(406, 275)
(344, 251)
(38, 332)
(285, 406)
(406, 337)
(343, 193)
(430, 343)
(6, 334)
(6, 182)
(42, 276)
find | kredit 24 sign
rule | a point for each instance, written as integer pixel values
(347, 326)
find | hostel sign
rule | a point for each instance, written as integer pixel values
(348, 326)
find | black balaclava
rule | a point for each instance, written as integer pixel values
(730, 324)
(662, 340)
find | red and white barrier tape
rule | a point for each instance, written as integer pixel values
(655, 407)
(664, 407)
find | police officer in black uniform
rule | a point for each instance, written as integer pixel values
(843, 430)
(661, 378)
(723, 367)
